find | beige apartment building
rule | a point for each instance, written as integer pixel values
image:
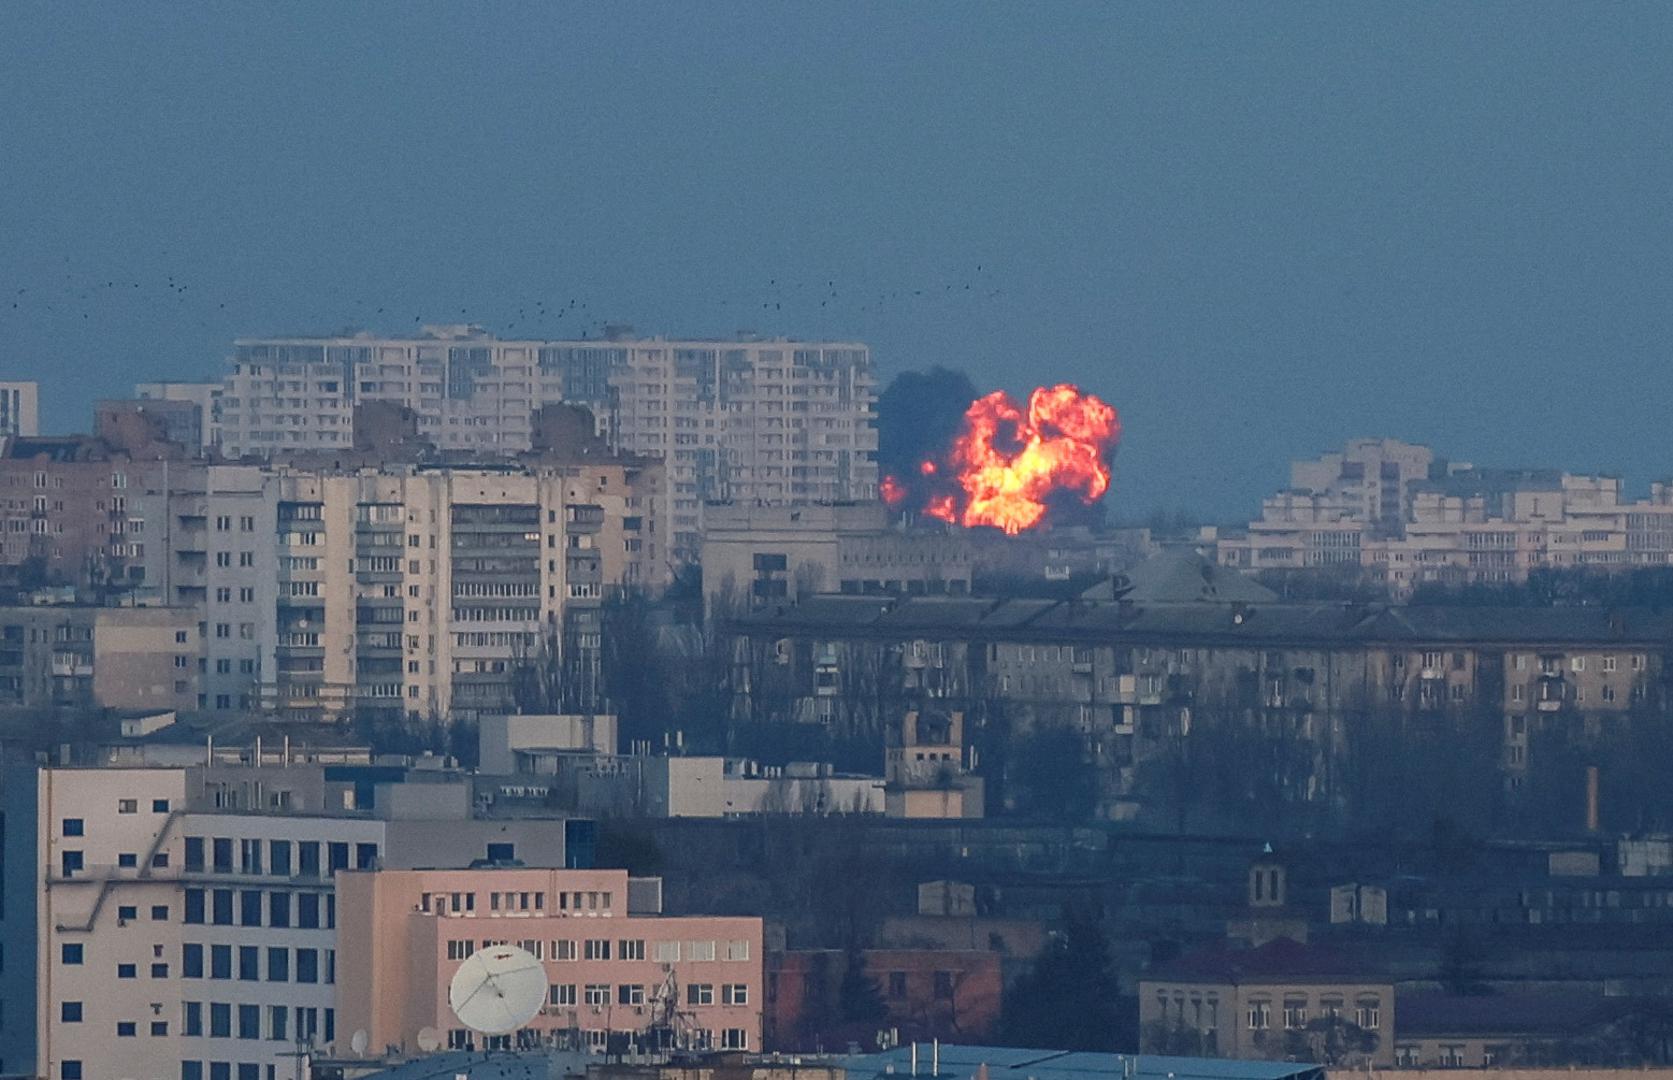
(424, 591)
(774, 421)
(614, 967)
(100, 658)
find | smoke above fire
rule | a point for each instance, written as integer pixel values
(1009, 465)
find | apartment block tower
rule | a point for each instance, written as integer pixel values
(772, 421)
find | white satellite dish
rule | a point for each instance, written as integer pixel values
(497, 989)
(357, 1042)
(429, 1040)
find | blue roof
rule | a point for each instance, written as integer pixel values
(1015, 1063)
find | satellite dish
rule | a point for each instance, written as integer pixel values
(429, 1040)
(497, 989)
(357, 1042)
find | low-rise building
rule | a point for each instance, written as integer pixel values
(692, 982)
(76, 656)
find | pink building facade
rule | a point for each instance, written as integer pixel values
(614, 979)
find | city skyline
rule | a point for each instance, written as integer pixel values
(1255, 234)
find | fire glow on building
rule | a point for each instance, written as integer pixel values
(1008, 465)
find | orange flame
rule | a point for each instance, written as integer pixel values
(1007, 463)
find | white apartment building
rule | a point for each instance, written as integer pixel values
(1460, 526)
(774, 421)
(19, 408)
(170, 923)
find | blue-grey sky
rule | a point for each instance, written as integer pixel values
(1258, 229)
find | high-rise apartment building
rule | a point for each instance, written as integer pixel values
(163, 923)
(774, 421)
(19, 409)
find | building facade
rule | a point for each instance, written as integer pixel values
(613, 973)
(771, 421)
(69, 656)
(19, 409)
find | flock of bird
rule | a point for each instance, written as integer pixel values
(70, 295)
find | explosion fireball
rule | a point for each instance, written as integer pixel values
(1006, 465)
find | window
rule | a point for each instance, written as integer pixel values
(70, 1069)
(278, 965)
(365, 856)
(597, 994)
(249, 963)
(630, 994)
(221, 848)
(72, 862)
(74, 826)
(565, 950)
(69, 1012)
(307, 911)
(191, 961)
(127, 860)
(897, 984)
(127, 913)
(70, 953)
(159, 971)
(1260, 1015)
(192, 1020)
(127, 806)
(220, 961)
(563, 994)
(126, 971)
(1608, 663)
(734, 1039)
(159, 1028)
(459, 949)
(220, 1020)
(734, 994)
(1368, 1013)
(221, 911)
(249, 907)
(307, 965)
(194, 853)
(700, 950)
(276, 1017)
(944, 986)
(1295, 1013)
(737, 950)
(665, 952)
(278, 909)
(597, 949)
(631, 949)
(278, 858)
(699, 994)
(249, 1021)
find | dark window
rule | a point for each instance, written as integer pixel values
(70, 953)
(159, 912)
(191, 1070)
(307, 911)
(69, 1012)
(72, 862)
(127, 911)
(897, 984)
(159, 971)
(278, 858)
(249, 907)
(278, 965)
(768, 562)
(126, 1029)
(70, 1069)
(944, 985)
(159, 1028)
(307, 965)
(159, 806)
(223, 854)
(194, 853)
(502, 852)
(194, 905)
(194, 1018)
(339, 856)
(220, 1020)
(191, 961)
(307, 858)
(127, 860)
(220, 961)
(249, 1022)
(331, 911)
(249, 1070)
(278, 909)
(222, 912)
(126, 971)
(249, 963)
(220, 1070)
(73, 826)
(365, 856)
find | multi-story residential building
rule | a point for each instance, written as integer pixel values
(1135, 676)
(203, 397)
(438, 590)
(101, 658)
(182, 922)
(774, 421)
(614, 967)
(19, 409)
(1456, 526)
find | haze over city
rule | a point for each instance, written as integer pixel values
(1256, 230)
